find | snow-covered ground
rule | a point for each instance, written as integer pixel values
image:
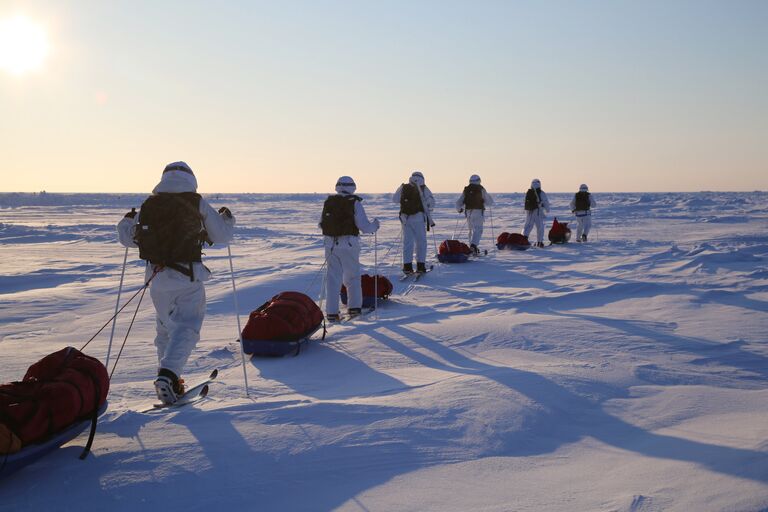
(626, 374)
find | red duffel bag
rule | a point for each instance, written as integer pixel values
(60, 389)
(560, 233)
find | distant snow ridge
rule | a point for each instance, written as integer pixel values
(16, 199)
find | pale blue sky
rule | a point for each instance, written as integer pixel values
(285, 96)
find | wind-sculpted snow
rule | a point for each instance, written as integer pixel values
(20, 234)
(626, 373)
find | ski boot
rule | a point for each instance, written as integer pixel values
(168, 386)
(407, 268)
(354, 312)
(539, 244)
(474, 249)
(421, 268)
(333, 317)
(583, 238)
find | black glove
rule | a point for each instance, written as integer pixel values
(131, 214)
(225, 211)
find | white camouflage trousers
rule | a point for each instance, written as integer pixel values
(180, 312)
(414, 232)
(342, 256)
(475, 220)
(583, 224)
(535, 218)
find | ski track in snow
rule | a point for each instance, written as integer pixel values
(625, 374)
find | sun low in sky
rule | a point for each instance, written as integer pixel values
(648, 96)
(23, 45)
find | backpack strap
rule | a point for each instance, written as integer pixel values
(189, 272)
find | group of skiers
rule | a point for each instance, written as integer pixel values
(175, 221)
(537, 207)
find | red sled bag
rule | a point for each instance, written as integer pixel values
(281, 325)
(370, 288)
(59, 390)
(453, 251)
(512, 241)
(560, 232)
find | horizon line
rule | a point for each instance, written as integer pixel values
(390, 193)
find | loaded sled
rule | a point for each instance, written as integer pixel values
(59, 397)
(512, 242)
(282, 325)
(560, 233)
(374, 290)
(453, 251)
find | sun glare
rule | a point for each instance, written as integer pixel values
(23, 45)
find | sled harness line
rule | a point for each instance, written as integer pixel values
(130, 326)
(95, 418)
(157, 269)
(314, 278)
(396, 243)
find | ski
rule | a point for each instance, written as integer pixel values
(420, 274)
(416, 275)
(362, 316)
(193, 394)
(351, 318)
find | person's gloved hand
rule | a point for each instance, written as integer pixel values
(460, 210)
(131, 214)
(225, 212)
(376, 224)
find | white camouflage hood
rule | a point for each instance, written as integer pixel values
(175, 181)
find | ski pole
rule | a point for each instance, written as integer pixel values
(434, 241)
(467, 225)
(375, 277)
(400, 246)
(95, 417)
(117, 305)
(493, 235)
(453, 237)
(237, 315)
(157, 269)
(323, 285)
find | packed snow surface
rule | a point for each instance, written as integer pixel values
(629, 373)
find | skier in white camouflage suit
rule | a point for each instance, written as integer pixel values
(536, 210)
(472, 202)
(177, 286)
(416, 205)
(342, 220)
(581, 206)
